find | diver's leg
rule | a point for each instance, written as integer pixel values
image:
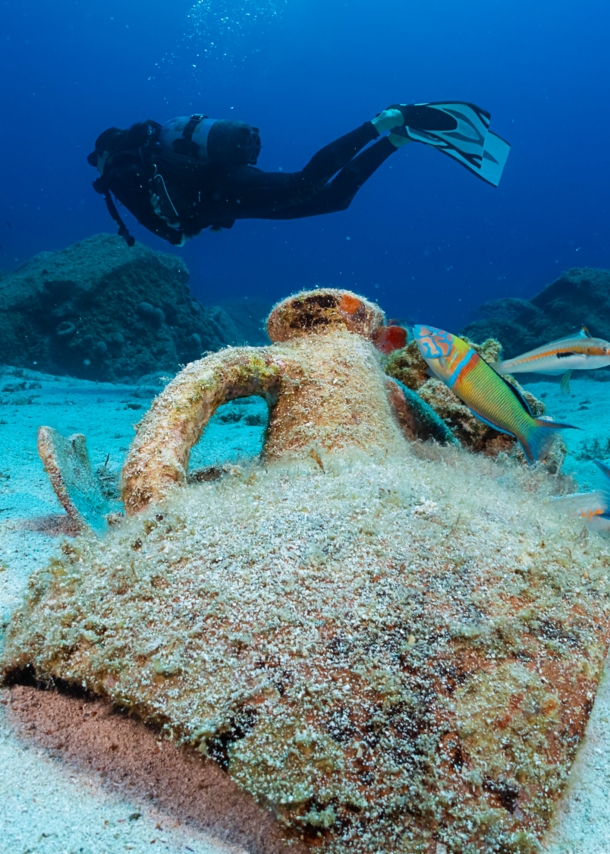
(334, 156)
(338, 194)
(252, 193)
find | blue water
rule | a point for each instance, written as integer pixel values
(423, 236)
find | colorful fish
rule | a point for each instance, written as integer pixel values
(580, 352)
(488, 395)
(592, 506)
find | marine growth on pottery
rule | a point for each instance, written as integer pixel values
(394, 648)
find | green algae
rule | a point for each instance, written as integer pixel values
(382, 676)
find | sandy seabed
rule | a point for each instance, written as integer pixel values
(76, 777)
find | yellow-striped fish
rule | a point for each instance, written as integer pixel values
(592, 506)
(488, 395)
(580, 352)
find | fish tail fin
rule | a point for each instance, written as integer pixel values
(587, 505)
(605, 470)
(537, 444)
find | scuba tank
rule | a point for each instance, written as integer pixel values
(212, 140)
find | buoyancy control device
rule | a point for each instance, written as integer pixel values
(212, 140)
(195, 139)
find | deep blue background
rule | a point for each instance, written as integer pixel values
(424, 237)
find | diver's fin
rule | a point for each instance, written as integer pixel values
(565, 383)
(495, 155)
(461, 131)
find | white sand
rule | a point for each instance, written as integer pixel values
(47, 807)
(583, 821)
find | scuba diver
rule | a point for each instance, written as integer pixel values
(195, 172)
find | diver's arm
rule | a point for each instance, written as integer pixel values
(141, 207)
(131, 188)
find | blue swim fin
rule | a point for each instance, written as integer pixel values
(461, 131)
(495, 155)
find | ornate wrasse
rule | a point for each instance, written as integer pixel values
(579, 352)
(488, 395)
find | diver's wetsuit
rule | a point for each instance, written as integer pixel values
(205, 194)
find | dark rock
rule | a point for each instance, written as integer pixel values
(580, 297)
(116, 340)
(101, 310)
(249, 315)
(509, 309)
(65, 329)
(151, 313)
(154, 382)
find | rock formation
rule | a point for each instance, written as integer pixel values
(580, 297)
(101, 310)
